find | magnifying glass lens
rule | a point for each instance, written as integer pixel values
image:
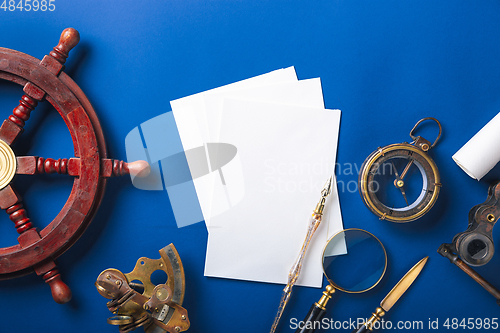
(354, 260)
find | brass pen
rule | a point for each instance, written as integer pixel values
(294, 273)
(392, 297)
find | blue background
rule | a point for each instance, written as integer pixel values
(385, 64)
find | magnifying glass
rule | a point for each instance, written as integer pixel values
(354, 261)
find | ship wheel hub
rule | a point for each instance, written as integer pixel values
(7, 164)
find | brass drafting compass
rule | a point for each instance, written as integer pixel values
(400, 182)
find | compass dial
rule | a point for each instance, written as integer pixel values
(399, 182)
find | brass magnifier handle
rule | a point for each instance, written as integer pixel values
(366, 327)
(316, 312)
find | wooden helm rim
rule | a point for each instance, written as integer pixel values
(89, 145)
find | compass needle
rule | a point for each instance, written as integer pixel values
(398, 182)
(403, 174)
(404, 195)
(395, 170)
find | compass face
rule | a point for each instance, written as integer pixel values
(399, 183)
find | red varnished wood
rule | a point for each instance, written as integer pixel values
(69, 38)
(22, 112)
(60, 290)
(8, 197)
(33, 165)
(9, 131)
(50, 273)
(45, 80)
(18, 215)
(55, 60)
(90, 167)
(114, 168)
(14, 125)
(28, 236)
(26, 165)
(120, 168)
(50, 165)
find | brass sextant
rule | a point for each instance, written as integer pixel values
(142, 304)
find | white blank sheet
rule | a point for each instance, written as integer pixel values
(304, 93)
(191, 119)
(286, 154)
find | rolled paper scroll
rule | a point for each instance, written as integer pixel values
(481, 153)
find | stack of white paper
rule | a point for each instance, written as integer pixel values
(270, 147)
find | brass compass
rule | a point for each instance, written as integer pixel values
(400, 182)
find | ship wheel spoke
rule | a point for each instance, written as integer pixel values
(13, 126)
(34, 165)
(11, 202)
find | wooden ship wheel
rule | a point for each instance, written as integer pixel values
(90, 167)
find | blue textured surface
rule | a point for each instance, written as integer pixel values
(385, 64)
